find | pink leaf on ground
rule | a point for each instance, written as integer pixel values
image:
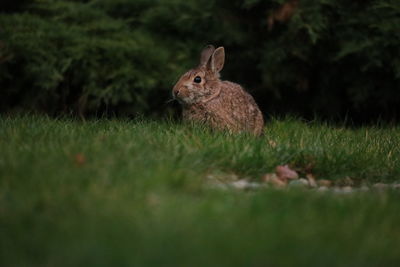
(285, 173)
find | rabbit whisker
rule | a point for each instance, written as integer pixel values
(170, 100)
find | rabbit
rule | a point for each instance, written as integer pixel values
(223, 105)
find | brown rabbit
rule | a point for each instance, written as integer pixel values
(221, 104)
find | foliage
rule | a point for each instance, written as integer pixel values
(75, 55)
(332, 58)
(340, 57)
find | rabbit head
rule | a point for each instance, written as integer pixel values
(198, 84)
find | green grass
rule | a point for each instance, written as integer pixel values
(140, 199)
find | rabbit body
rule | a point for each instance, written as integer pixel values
(221, 104)
(232, 109)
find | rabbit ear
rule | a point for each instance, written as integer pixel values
(218, 59)
(206, 54)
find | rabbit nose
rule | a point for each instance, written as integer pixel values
(176, 91)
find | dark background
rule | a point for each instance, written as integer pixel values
(334, 60)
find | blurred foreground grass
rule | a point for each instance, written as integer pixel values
(132, 193)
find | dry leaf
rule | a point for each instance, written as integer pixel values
(381, 186)
(272, 143)
(311, 180)
(80, 159)
(272, 179)
(283, 13)
(325, 183)
(346, 181)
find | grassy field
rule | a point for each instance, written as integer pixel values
(134, 193)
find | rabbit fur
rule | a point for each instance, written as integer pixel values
(221, 104)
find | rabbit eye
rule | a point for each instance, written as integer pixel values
(197, 79)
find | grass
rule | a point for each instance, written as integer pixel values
(132, 193)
